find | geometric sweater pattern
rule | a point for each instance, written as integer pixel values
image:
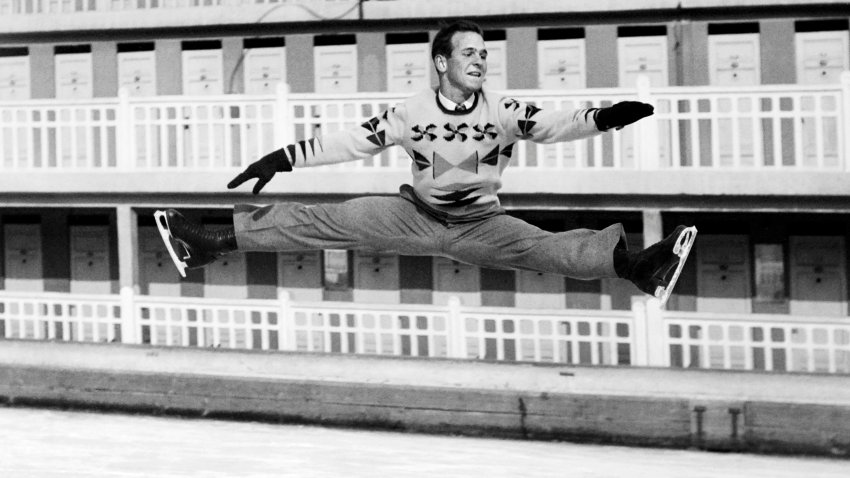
(457, 157)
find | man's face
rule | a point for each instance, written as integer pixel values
(467, 65)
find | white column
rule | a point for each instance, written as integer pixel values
(653, 227)
(285, 322)
(283, 127)
(128, 270)
(656, 339)
(124, 135)
(639, 334)
(646, 130)
(455, 327)
(844, 149)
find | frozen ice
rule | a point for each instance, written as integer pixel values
(53, 443)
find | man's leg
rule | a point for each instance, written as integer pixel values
(387, 224)
(505, 242)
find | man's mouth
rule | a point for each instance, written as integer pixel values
(476, 74)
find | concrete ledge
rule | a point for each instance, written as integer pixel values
(510, 414)
(648, 407)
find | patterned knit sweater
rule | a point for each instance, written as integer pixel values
(457, 157)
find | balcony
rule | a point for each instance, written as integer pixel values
(766, 141)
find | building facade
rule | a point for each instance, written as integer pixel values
(110, 110)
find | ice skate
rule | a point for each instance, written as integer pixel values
(190, 245)
(656, 269)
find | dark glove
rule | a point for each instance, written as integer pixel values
(621, 114)
(263, 170)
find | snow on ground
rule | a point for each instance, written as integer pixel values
(53, 443)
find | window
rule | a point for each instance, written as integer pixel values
(770, 274)
(336, 269)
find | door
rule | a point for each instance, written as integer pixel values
(408, 67)
(643, 56)
(204, 132)
(265, 69)
(15, 76)
(158, 276)
(301, 275)
(453, 278)
(137, 76)
(90, 268)
(23, 257)
(536, 290)
(821, 57)
(818, 276)
(202, 72)
(561, 64)
(137, 72)
(376, 278)
(74, 81)
(735, 60)
(723, 274)
(74, 77)
(14, 86)
(227, 277)
(335, 68)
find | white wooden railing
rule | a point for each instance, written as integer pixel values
(644, 336)
(788, 127)
(64, 317)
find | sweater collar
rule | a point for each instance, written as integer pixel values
(448, 106)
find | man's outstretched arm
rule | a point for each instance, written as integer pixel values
(263, 170)
(364, 141)
(526, 121)
(621, 114)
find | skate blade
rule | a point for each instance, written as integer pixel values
(165, 233)
(682, 248)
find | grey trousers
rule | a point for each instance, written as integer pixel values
(395, 225)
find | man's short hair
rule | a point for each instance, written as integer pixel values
(442, 44)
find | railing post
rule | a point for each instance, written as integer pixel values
(457, 341)
(129, 324)
(128, 270)
(286, 321)
(283, 127)
(639, 334)
(124, 137)
(844, 151)
(655, 335)
(646, 132)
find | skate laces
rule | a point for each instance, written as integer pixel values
(197, 236)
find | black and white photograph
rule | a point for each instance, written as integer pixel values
(417, 238)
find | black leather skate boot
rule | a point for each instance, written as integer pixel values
(190, 244)
(652, 270)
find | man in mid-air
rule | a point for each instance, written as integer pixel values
(460, 138)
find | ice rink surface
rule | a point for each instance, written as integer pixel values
(53, 443)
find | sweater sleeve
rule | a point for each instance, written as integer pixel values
(525, 121)
(361, 142)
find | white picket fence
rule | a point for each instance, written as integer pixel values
(644, 336)
(766, 127)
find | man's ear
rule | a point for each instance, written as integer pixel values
(441, 64)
